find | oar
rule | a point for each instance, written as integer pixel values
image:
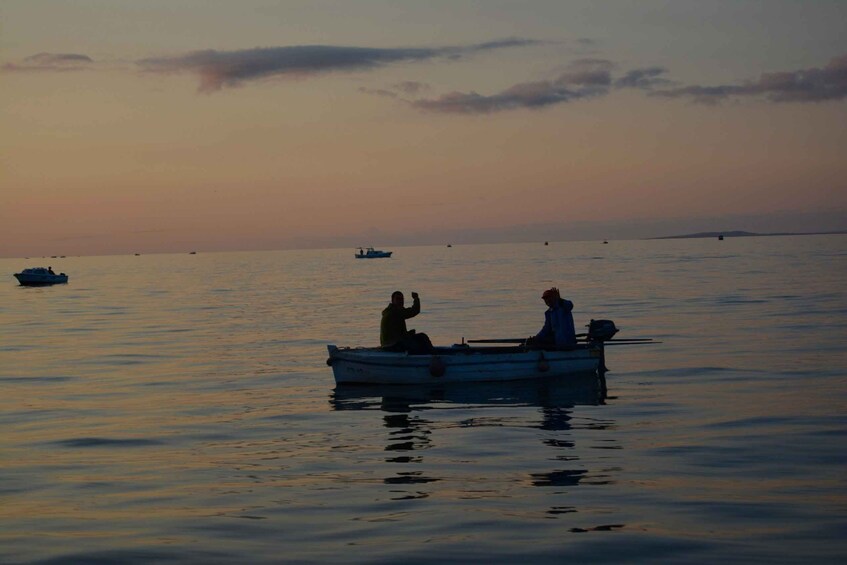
(502, 340)
(523, 339)
(621, 342)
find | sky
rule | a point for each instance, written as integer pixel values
(168, 126)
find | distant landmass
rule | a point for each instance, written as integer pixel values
(711, 234)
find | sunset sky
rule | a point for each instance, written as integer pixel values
(174, 125)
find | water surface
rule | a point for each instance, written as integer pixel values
(178, 409)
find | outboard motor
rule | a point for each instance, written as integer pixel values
(601, 330)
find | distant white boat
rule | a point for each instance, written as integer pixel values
(40, 276)
(371, 253)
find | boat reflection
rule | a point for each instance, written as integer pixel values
(548, 394)
(412, 414)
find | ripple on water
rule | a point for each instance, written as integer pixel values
(86, 442)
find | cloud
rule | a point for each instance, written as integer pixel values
(804, 85)
(408, 88)
(643, 79)
(524, 95)
(219, 69)
(588, 72)
(411, 87)
(584, 78)
(50, 62)
(587, 78)
(384, 92)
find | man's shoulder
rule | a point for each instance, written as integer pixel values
(387, 309)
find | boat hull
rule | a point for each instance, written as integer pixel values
(26, 279)
(574, 389)
(376, 255)
(459, 364)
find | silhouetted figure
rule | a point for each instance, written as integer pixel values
(393, 334)
(558, 326)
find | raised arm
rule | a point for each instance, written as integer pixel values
(415, 308)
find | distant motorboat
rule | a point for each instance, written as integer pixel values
(371, 253)
(40, 276)
(720, 238)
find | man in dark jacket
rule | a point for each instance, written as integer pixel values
(558, 327)
(393, 334)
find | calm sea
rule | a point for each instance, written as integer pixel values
(178, 409)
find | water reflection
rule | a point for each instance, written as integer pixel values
(407, 434)
(410, 431)
(551, 395)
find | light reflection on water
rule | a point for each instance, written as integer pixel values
(178, 408)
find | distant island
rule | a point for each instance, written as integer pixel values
(712, 234)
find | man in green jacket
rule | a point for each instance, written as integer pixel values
(393, 334)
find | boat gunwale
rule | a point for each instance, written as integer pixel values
(460, 357)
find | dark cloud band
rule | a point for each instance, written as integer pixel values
(804, 85)
(584, 78)
(51, 62)
(218, 69)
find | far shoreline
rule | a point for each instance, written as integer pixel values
(713, 234)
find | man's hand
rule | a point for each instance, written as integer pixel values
(414, 296)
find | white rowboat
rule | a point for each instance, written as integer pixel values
(460, 363)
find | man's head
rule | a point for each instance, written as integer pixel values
(397, 298)
(550, 296)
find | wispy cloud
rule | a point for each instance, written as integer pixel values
(50, 62)
(584, 78)
(411, 87)
(805, 85)
(644, 79)
(589, 78)
(407, 88)
(219, 69)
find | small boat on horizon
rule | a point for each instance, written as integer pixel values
(40, 276)
(371, 253)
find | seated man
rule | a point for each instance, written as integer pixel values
(393, 334)
(558, 327)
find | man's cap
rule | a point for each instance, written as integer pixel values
(550, 293)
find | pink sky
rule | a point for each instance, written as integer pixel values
(160, 127)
